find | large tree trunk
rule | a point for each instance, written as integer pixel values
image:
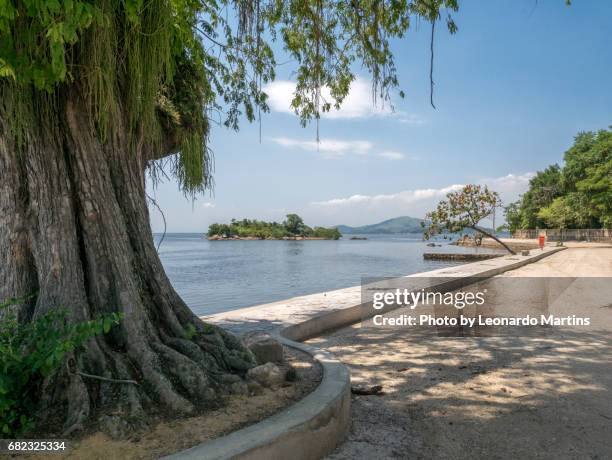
(74, 228)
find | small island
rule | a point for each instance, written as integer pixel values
(293, 228)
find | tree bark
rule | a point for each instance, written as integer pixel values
(74, 229)
(484, 232)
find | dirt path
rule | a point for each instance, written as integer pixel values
(546, 396)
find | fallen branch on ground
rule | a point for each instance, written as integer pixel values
(375, 390)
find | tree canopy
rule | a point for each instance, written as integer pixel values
(576, 195)
(173, 67)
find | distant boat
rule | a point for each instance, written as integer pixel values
(358, 238)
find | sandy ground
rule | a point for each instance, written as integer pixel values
(544, 395)
(167, 437)
(580, 259)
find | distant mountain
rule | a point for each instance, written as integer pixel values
(404, 224)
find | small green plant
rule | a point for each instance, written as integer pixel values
(31, 351)
(190, 332)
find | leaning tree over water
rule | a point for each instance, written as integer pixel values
(464, 209)
(92, 94)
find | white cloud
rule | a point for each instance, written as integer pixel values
(510, 185)
(336, 147)
(208, 205)
(358, 104)
(410, 119)
(400, 198)
(360, 209)
(392, 155)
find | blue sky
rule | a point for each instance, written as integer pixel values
(513, 86)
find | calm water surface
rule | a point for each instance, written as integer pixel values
(215, 276)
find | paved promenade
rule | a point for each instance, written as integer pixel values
(284, 313)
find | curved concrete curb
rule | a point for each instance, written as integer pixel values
(307, 430)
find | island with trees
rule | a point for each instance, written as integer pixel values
(293, 228)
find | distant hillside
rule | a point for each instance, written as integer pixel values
(404, 224)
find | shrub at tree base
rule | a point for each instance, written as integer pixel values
(30, 352)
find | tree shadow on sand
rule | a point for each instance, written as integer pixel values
(535, 396)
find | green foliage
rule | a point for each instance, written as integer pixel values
(327, 233)
(558, 214)
(37, 53)
(577, 195)
(190, 332)
(31, 351)
(293, 226)
(594, 185)
(168, 66)
(462, 209)
(512, 212)
(544, 187)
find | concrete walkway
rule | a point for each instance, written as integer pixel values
(276, 315)
(544, 397)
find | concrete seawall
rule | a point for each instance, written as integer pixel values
(449, 279)
(450, 256)
(308, 313)
(513, 243)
